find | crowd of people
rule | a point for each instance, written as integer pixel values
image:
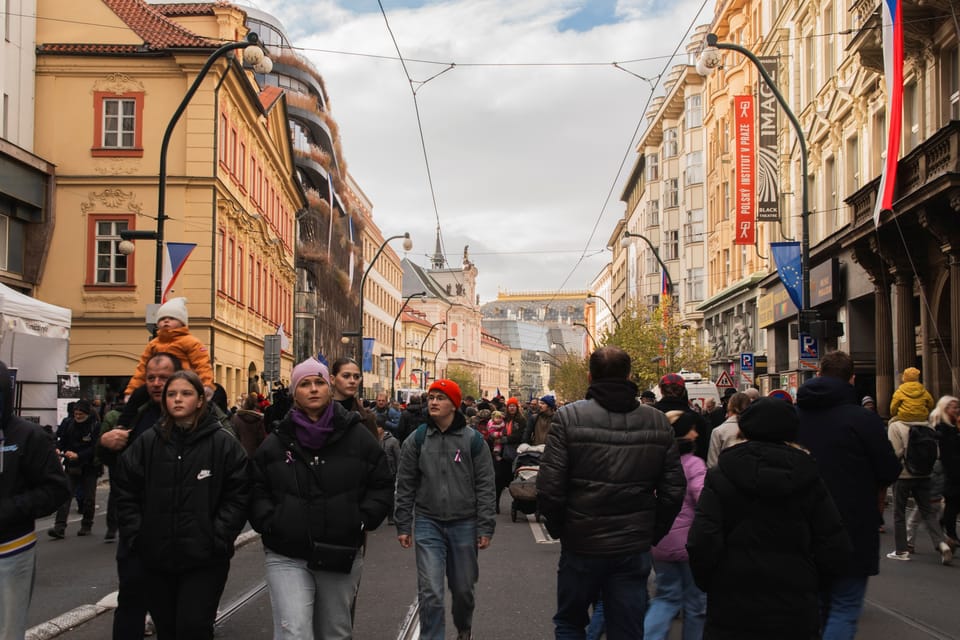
(759, 517)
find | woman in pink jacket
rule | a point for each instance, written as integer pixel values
(675, 587)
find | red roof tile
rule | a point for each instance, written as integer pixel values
(269, 95)
(147, 22)
(185, 9)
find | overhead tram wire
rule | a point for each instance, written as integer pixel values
(628, 153)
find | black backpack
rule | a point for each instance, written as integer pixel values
(922, 452)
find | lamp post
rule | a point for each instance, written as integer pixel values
(254, 55)
(393, 333)
(423, 371)
(407, 246)
(593, 340)
(591, 296)
(708, 61)
(437, 355)
(625, 242)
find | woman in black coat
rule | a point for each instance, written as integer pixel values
(182, 493)
(945, 417)
(320, 482)
(765, 532)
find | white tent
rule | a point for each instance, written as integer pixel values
(34, 339)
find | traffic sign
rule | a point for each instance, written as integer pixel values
(746, 362)
(725, 381)
(809, 347)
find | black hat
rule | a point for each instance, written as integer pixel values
(648, 394)
(769, 420)
(82, 405)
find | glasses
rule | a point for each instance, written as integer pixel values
(437, 398)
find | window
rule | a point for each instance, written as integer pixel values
(6, 117)
(670, 146)
(118, 125)
(653, 167)
(829, 30)
(830, 202)
(223, 138)
(671, 245)
(853, 164)
(724, 136)
(911, 116)
(694, 284)
(653, 213)
(651, 264)
(242, 166)
(726, 264)
(879, 137)
(106, 266)
(671, 193)
(810, 55)
(950, 79)
(693, 229)
(726, 201)
(694, 171)
(693, 116)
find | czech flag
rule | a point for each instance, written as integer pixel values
(892, 33)
(175, 255)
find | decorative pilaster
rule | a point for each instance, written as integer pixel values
(883, 345)
(906, 343)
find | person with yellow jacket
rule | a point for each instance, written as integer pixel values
(911, 401)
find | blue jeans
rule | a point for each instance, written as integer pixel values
(16, 587)
(598, 625)
(840, 606)
(675, 591)
(620, 580)
(445, 548)
(308, 603)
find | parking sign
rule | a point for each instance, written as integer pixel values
(809, 348)
(746, 362)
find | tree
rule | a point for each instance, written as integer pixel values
(658, 343)
(569, 378)
(465, 380)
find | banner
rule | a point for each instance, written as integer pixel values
(786, 255)
(368, 354)
(745, 158)
(891, 19)
(175, 255)
(768, 170)
(400, 362)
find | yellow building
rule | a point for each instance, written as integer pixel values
(123, 68)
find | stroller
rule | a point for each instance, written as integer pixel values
(523, 488)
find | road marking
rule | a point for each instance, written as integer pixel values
(539, 531)
(224, 613)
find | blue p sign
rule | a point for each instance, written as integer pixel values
(746, 362)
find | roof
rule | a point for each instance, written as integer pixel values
(415, 278)
(269, 96)
(185, 8)
(148, 22)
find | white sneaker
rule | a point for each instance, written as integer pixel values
(899, 555)
(946, 554)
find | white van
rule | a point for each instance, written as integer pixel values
(698, 389)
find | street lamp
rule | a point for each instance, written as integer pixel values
(437, 355)
(423, 373)
(593, 340)
(393, 332)
(709, 60)
(254, 55)
(591, 296)
(625, 242)
(407, 246)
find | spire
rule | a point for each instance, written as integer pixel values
(437, 260)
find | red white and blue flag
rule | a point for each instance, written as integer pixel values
(175, 255)
(400, 362)
(892, 33)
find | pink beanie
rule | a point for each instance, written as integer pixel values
(309, 367)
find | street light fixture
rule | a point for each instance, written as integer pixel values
(591, 296)
(625, 242)
(709, 60)
(407, 246)
(437, 355)
(423, 373)
(253, 55)
(393, 332)
(593, 340)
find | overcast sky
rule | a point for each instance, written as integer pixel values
(524, 157)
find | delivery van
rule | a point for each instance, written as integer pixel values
(698, 388)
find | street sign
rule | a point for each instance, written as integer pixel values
(725, 381)
(746, 362)
(809, 347)
(271, 357)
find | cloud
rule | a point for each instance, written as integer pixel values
(524, 159)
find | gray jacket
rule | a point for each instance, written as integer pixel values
(442, 478)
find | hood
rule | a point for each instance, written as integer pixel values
(825, 392)
(672, 404)
(767, 469)
(459, 422)
(207, 427)
(912, 389)
(249, 416)
(169, 335)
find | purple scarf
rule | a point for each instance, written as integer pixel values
(310, 434)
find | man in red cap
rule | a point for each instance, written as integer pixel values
(446, 470)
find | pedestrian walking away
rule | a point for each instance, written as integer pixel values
(76, 444)
(182, 496)
(320, 482)
(946, 417)
(446, 477)
(32, 485)
(610, 486)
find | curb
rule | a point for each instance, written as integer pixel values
(87, 612)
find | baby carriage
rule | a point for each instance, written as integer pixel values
(523, 488)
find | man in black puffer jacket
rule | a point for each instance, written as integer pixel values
(610, 486)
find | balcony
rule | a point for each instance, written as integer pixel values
(921, 18)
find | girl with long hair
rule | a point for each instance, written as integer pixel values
(345, 379)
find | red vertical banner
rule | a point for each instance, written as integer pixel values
(745, 200)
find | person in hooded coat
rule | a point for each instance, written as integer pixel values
(765, 533)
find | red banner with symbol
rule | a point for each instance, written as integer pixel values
(745, 191)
